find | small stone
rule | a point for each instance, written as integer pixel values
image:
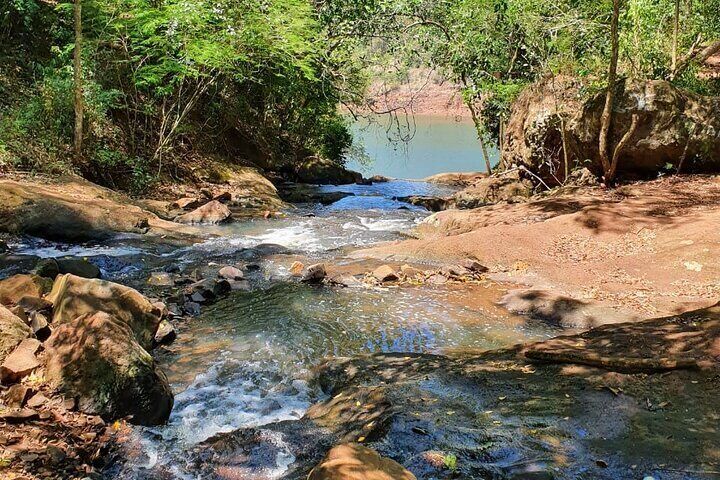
(348, 281)
(314, 273)
(385, 273)
(162, 309)
(20, 363)
(165, 334)
(30, 344)
(192, 308)
(29, 457)
(161, 279)
(437, 279)
(70, 404)
(198, 297)
(240, 285)
(230, 273)
(56, 454)
(409, 271)
(17, 395)
(37, 400)
(223, 197)
(172, 268)
(473, 265)
(186, 203)
(40, 326)
(455, 271)
(296, 269)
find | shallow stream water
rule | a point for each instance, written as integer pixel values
(246, 360)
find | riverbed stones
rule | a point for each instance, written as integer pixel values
(385, 273)
(314, 273)
(14, 288)
(12, 331)
(165, 334)
(161, 279)
(211, 213)
(411, 272)
(230, 273)
(73, 296)
(296, 269)
(97, 359)
(352, 461)
(47, 267)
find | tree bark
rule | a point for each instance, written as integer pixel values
(676, 33)
(78, 80)
(699, 56)
(606, 119)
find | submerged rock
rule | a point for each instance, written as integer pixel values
(231, 273)
(165, 334)
(314, 273)
(352, 461)
(79, 267)
(96, 359)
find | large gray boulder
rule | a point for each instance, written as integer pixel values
(96, 359)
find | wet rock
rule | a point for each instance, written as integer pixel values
(239, 285)
(473, 265)
(96, 358)
(172, 268)
(165, 334)
(162, 308)
(48, 268)
(161, 279)
(17, 395)
(211, 213)
(385, 273)
(205, 291)
(12, 331)
(433, 204)
(346, 280)
(437, 279)
(24, 285)
(454, 271)
(3, 247)
(353, 461)
(296, 269)
(74, 296)
(39, 325)
(314, 273)
(19, 364)
(230, 273)
(192, 308)
(79, 267)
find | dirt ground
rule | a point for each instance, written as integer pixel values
(639, 251)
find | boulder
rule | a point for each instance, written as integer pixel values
(48, 268)
(35, 304)
(211, 213)
(379, 179)
(486, 191)
(314, 273)
(673, 124)
(434, 204)
(12, 331)
(24, 285)
(352, 461)
(230, 273)
(79, 267)
(324, 171)
(96, 359)
(385, 273)
(20, 363)
(73, 296)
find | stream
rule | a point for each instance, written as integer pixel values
(246, 360)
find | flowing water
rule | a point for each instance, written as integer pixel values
(246, 360)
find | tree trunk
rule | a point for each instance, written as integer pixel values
(479, 129)
(676, 33)
(606, 119)
(77, 65)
